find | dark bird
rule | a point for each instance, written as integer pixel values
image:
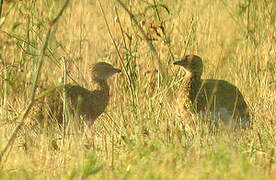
(83, 103)
(218, 98)
(91, 104)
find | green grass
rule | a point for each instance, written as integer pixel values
(145, 133)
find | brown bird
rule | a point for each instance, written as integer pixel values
(91, 104)
(213, 97)
(83, 103)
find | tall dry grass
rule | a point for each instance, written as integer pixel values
(144, 133)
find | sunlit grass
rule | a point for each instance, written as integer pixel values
(144, 133)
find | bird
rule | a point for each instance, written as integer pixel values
(85, 104)
(214, 97)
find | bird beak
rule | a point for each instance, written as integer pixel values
(117, 70)
(180, 63)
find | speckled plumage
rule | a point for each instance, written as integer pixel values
(211, 96)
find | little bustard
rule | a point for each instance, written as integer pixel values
(218, 98)
(83, 103)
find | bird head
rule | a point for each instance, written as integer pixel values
(102, 71)
(192, 65)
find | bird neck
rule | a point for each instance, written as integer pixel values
(102, 86)
(192, 86)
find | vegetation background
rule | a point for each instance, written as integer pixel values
(144, 133)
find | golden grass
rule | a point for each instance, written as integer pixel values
(143, 134)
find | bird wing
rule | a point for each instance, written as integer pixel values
(222, 94)
(87, 103)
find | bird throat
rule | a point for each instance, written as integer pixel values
(192, 84)
(102, 86)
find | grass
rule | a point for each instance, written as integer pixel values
(144, 133)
